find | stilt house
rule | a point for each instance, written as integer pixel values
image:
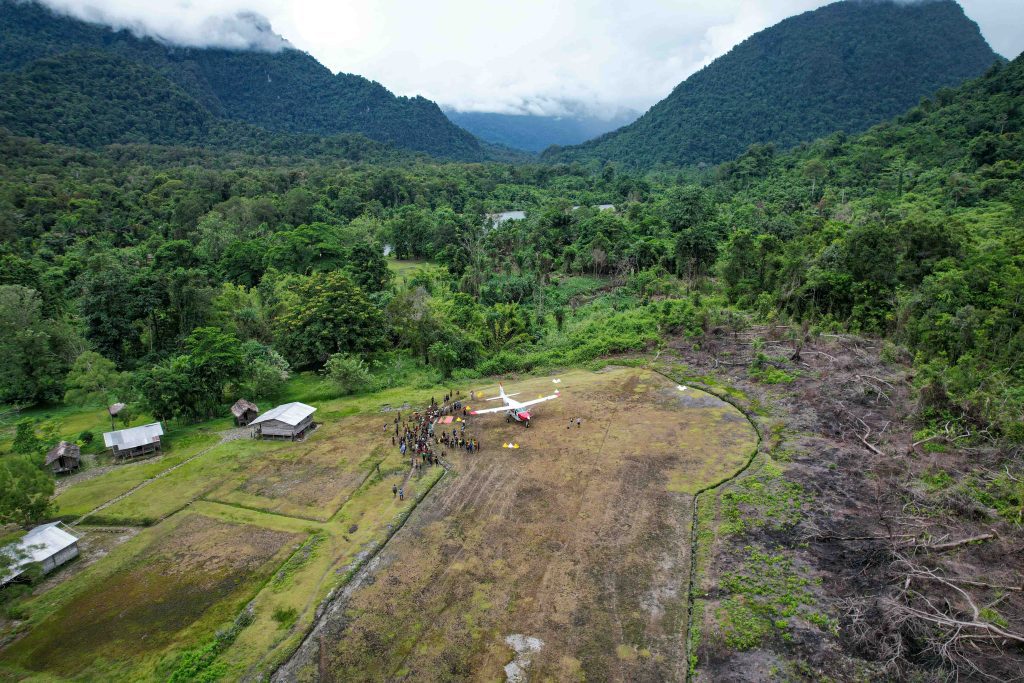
(131, 443)
(288, 421)
(64, 457)
(51, 545)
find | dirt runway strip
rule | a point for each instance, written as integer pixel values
(566, 557)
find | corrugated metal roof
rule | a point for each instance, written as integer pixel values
(134, 437)
(498, 218)
(42, 542)
(289, 413)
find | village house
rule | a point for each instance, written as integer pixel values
(64, 457)
(244, 412)
(133, 442)
(288, 421)
(51, 545)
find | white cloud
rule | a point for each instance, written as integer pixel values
(528, 56)
(222, 23)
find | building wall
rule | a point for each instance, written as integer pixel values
(56, 560)
(278, 428)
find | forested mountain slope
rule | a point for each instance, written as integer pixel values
(914, 229)
(283, 91)
(844, 67)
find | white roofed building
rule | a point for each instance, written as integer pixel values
(133, 442)
(288, 421)
(49, 544)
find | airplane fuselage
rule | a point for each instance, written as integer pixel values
(514, 410)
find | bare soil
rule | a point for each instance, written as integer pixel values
(580, 538)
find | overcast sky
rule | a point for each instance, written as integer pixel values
(519, 56)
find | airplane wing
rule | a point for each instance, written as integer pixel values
(502, 409)
(535, 401)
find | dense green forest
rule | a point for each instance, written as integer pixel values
(145, 256)
(846, 66)
(286, 91)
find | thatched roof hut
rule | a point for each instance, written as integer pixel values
(64, 457)
(244, 412)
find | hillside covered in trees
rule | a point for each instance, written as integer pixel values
(286, 91)
(845, 67)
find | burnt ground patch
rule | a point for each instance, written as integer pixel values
(864, 541)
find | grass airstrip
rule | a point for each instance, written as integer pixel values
(580, 538)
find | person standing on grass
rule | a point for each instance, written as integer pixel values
(401, 494)
(579, 423)
(394, 490)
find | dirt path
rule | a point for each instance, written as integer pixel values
(225, 437)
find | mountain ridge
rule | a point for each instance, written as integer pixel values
(283, 91)
(844, 66)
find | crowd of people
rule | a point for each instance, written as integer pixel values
(419, 440)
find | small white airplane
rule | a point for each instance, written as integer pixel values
(515, 410)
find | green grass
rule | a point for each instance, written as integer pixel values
(170, 587)
(410, 267)
(763, 499)
(91, 493)
(766, 595)
(176, 490)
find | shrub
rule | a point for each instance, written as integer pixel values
(348, 373)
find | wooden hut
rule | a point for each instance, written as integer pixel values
(51, 545)
(64, 457)
(131, 443)
(288, 421)
(244, 412)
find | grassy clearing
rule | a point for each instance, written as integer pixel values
(644, 448)
(88, 494)
(409, 268)
(312, 479)
(177, 489)
(304, 581)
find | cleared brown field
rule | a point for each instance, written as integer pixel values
(579, 539)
